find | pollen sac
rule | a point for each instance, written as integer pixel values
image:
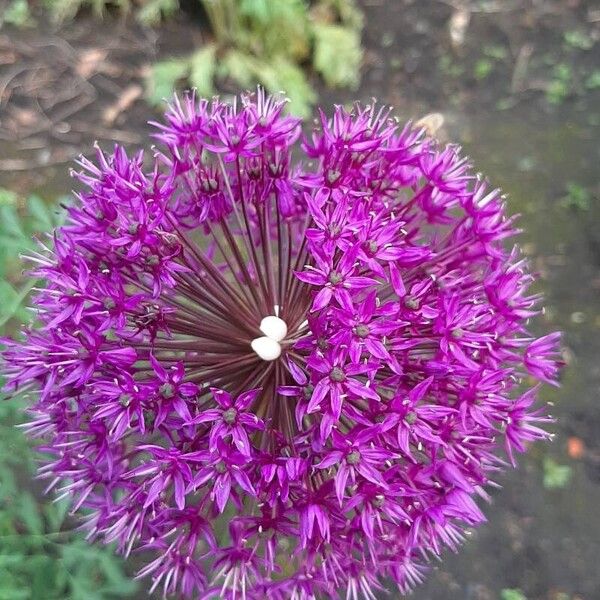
(267, 348)
(274, 327)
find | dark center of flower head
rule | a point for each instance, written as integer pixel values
(353, 458)
(337, 375)
(362, 331)
(412, 303)
(378, 501)
(152, 260)
(332, 176)
(335, 278)
(125, 400)
(229, 416)
(109, 303)
(230, 316)
(411, 418)
(166, 390)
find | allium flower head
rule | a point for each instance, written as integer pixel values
(281, 378)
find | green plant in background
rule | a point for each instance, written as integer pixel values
(560, 86)
(512, 594)
(577, 196)
(65, 10)
(41, 558)
(147, 12)
(18, 223)
(269, 43)
(555, 475)
(592, 82)
(577, 39)
(17, 13)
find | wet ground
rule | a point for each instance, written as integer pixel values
(515, 84)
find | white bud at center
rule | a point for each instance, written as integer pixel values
(275, 330)
(274, 327)
(266, 348)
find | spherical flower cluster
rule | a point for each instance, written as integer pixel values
(281, 378)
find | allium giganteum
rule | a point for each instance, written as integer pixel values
(282, 378)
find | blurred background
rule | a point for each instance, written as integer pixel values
(516, 82)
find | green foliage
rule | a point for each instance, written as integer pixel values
(560, 86)
(163, 77)
(270, 29)
(281, 74)
(276, 75)
(152, 12)
(40, 556)
(65, 10)
(577, 197)
(578, 39)
(202, 69)
(483, 68)
(268, 43)
(277, 40)
(148, 12)
(16, 13)
(450, 68)
(555, 475)
(338, 54)
(512, 594)
(593, 80)
(18, 224)
(495, 52)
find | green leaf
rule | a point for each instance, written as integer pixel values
(482, 69)
(512, 594)
(9, 221)
(40, 211)
(55, 513)
(337, 55)
(495, 52)
(555, 475)
(44, 575)
(593, 81)
(63, 10)
(240, 67)
(11, 299)
(30, 514)
(163, 77)
(255, 9)
(202, 70)
(281, 75)
(152, 12)
(17, 13)
(578, 39)
(577, 197)
(8, 197)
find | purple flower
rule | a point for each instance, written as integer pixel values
(231, 419)
(281, 379)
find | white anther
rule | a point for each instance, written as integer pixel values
(267, 348)
(274, 327)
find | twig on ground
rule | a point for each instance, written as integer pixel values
(519, 76)
(128, 96)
